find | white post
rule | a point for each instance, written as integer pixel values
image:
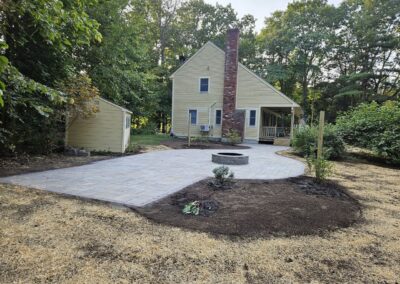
(189, 122)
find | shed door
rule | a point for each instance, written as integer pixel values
(127, 130)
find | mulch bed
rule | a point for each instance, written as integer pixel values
(259, 208)
(182, 144)
(26, 164)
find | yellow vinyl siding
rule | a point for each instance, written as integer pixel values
(209, 63)
(103, 131)
(252, 93)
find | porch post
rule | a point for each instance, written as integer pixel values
(292, 124)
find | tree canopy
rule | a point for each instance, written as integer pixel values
(323, 56)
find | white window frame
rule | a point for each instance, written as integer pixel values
(255, 121)
(197, 115)
(215, 117)
(128, 121)
(209, 84)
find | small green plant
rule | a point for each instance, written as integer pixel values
(199, 139)
(223, 177)
(321, 166)
(192, 208)
(234, 137)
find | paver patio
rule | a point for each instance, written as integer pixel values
(141, 179)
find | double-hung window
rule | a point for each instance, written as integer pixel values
(218, 117)
(204, 85)
(193, 116)
(252, 117)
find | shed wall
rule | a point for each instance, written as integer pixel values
(102, 132)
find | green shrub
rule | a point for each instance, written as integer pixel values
(233, 137)
(321, 167)
(305, 141)
(223, 177)
(149, 129)
(375, 127)
(192, 208)
(200, 139)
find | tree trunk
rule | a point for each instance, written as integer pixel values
(163, 123)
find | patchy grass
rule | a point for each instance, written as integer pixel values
(46, 237)
(149, 139)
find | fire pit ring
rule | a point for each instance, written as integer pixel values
(227, 158)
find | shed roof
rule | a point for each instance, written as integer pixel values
(114, 105)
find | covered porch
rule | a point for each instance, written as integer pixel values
(277, 124)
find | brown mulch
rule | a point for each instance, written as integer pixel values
(182, 144)
(26, 164)
(255, 208)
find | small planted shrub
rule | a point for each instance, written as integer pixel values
(222, 177)
(192, 208)
(234, 137)
(321, 167)
(200, 139)
(305, 141)
(200, 207)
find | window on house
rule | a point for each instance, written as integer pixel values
(204, 85)
(252, 118)
(128, 121)
(193, 116)
(218, 117)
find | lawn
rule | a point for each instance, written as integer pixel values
(149, 139)
(46, 237)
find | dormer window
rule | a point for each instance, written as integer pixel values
(204, 85)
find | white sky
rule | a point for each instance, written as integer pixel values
(260, 9)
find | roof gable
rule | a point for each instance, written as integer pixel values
(268, 85)
(252, 74)
(114, 105)
(203, 48)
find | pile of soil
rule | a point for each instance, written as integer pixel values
(182, 144)
(259, 208)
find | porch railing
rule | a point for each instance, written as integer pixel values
(272, 132)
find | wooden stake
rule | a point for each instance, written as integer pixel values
(189, 124)
(320, 134)
(291, 124)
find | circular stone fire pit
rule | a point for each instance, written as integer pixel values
(226, 158)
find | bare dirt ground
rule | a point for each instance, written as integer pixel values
(259, 208)
(35, 163)
(25, 164)
(46, 237)
(183, 144)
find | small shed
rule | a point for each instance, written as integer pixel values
(106, 130)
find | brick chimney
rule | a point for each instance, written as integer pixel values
(230, 83)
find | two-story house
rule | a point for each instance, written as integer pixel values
(213, 93)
